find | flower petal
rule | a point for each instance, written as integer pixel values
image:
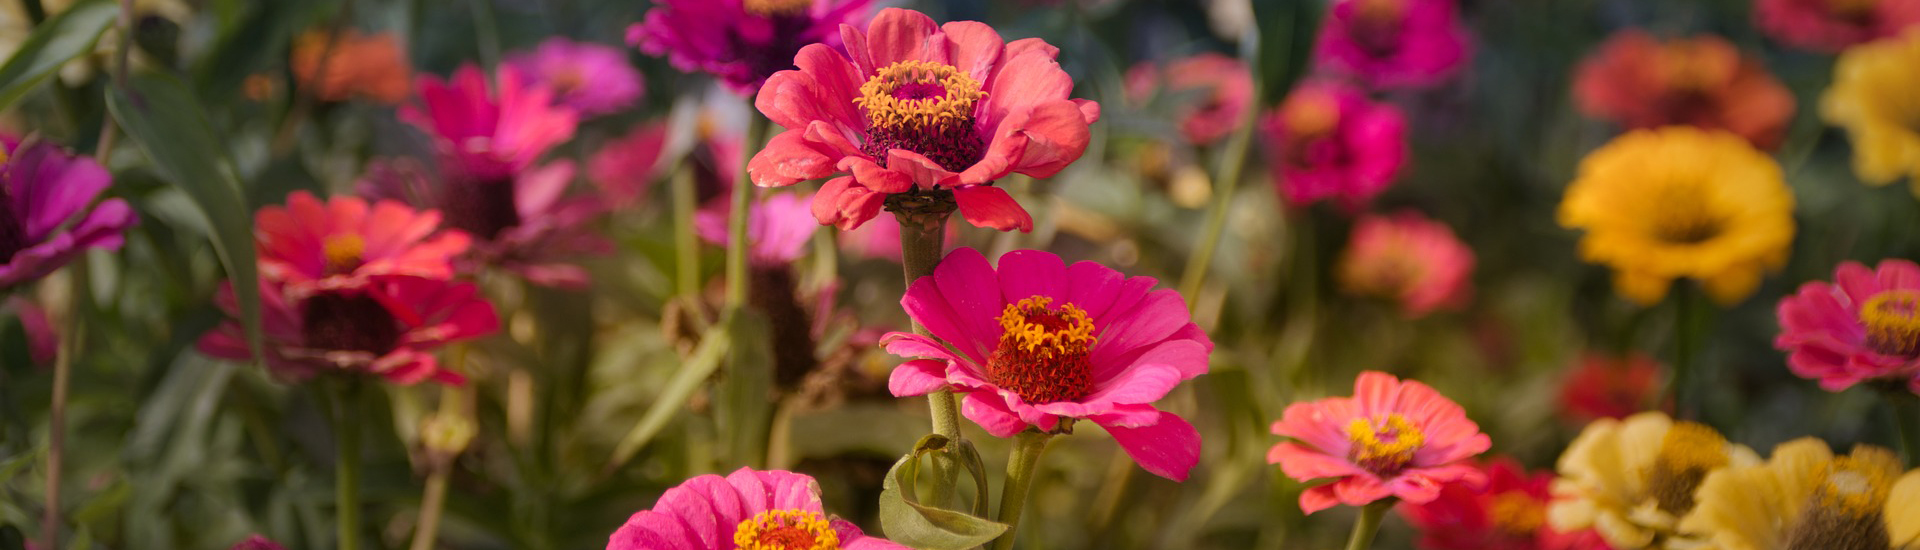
(1168, 448)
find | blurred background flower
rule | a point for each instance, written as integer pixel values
(1640, 81)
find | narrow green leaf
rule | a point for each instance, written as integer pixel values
(52, 44)
(908, 522)
(698, 367)
(161, 115)
(745, 393)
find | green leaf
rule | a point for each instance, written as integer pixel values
(745, 393)
(699, 366)
(161, 115)
(906, 521)
(56, 41)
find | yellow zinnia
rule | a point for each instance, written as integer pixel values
(1631, 480)
(1876, 96)
(1681, 202)
(1805, 497)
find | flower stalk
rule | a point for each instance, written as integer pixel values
(922, 236)
(57, 409)
(1686, 334)
(346, 429)
(1022, 463)
(1368, 524)
(1906, 419)
(737, 219)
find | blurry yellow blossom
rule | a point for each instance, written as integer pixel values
(1803, 497)
(1876, 97)
(1633, 479)
(1681, 202)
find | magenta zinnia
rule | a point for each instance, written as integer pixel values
(593, 79)
(1392, 43)
(747, 510)
(1863, 326)
(1391, 439)
(741, 41)
(47, 211)
(917, 107)
(1037, 344)
(1328, 141)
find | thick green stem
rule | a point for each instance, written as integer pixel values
(686, 246)
(1906, 418)
(1368, 524)
(1022, 462)
(920, 248)
(346, 429)
(737, 220)
(1685, 348)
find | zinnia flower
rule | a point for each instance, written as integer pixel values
(1872, 97)
(741, 41)
(1328, 141)
(347, 63)
(1863, 326)
(1834, 25)
(1641, 82)
(1632, 480)
(749, 510)
(778, 226)
(47, 211)
(341, 244)
(1602, 386)
(1392, 43)
(624, 169)
(1681, 202)
(489, 137)
(1509, 513)
(389, 327)
(1805, 497)
(915, 107)
(1214, 91)
(590, 78)
(1037, 344)
(1409, 259)
(1390, 439)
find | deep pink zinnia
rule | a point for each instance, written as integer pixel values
(593, 79)
(527, 225)
(1037, 344)
(1214, 91)
(624, 168)
(1863, 326)
(1391, 439)
(47, 211)
(1508, 513)
(389, 328)
(741, 41)
(1392, 43)
(915, 106)
(341, 244)
(486, 137)
(1328, 141)
(778, 227)
(1833, 25)
(1415, 262)
(755, 509)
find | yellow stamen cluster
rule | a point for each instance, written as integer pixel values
(1381, 10)
(1040, 339)
(1857, 485)
(1688, 452)
(953, 106)
(786, 530)
(1384, 455)
(343, 251)
(1517, 512)
(1311, 114)
(1892, 318)
(776, 7)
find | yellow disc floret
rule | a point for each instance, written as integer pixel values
(1386, 446)
(343, 251)
(786, 530)
(1688, 452)
(776, 7)
(1517, 512)
(1042, 352)
(919, 96)
(1044, 332)
(1892, 319)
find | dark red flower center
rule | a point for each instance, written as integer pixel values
(483, 209)
(924, 107)
(1042, 355)
(13, 231)
(348, 321)
(1384, 445)
(786, 530)
(1892, 318)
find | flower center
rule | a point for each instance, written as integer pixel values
(343, 252)
(1376, 24)
(924, 107)
(1385, 445)
(1690, 66)
(1311, 114)
(1688, 452)
(1845, 512)
(1892, 318)
(769, 8)
(1681, 214)
(342, 321)
(1042, 354)
(1851, 8)
(568, 80)
(786, 530)
(481, 208)
(13, 233)
(1517, 512)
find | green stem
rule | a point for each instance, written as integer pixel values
(737, 220)
(432, 502)
(1906, 419)
(346, 428)
(1368, 524)
(686, 245)
(1225, 179)
(486, 32)
(1022, 462)
(1685, 347)
(57, 411)
(920, 248)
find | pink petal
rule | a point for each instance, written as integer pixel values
(1028, 273)
(992, 207)
(991, 414)
(899, 35)
(1302, 463)
(917, 377)
(1169, 448)
(650, 530)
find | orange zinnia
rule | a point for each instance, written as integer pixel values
(348, 64)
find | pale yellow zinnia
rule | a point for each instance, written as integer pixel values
(1805, 497)
(1631, 480)
(1681, 202)
(1876, 96)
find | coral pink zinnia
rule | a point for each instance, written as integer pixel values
(741, 41)
(1328, 141)
(340, 244)
(1392, 43)
(1391, 439)
(488, 137)
(749, 510)
(591, 78)
(1413, 261)
(47, 213)
(778, 227)
(917, 107)
(1037, 344)
(1642, 82)
(1509, 513)
(1217, 91)
(1863, 326)
(1833, 25)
